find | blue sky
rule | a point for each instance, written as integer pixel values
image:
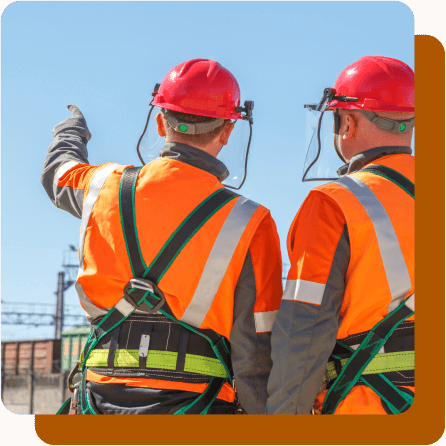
(105, 57)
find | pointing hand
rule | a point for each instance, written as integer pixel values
(75, 111)
(76, 122)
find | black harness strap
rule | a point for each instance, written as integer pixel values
(127, 206)
(386, 391)
(392, 175)
(182, 349)
(113, 346)
(402, 409)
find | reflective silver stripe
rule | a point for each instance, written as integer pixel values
(395, 266)
(124, 307)
(218, 261)
(96, 185)
(61, 171)
(380, 352)
(264, 321)
(304, 291)
(144, 346)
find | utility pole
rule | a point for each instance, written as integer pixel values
(58, 322)
(62, 285)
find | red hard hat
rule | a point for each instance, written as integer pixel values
(200, 87)
(380, 83)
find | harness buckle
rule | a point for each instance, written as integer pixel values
(144, 285)
(74, 371)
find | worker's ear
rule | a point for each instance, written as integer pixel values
(160, 125)
(348, 127)
(226, 133)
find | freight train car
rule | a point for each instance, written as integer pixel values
(21, 357)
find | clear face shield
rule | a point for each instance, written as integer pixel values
(322, 128)
(234, 154)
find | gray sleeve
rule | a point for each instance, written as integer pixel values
(250, 351)
(69, 147)
(303, 338)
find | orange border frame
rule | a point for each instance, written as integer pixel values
(424, 422)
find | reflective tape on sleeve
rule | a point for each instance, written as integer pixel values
(218, 261)
(304, 291)
(392, 257)
(61, 171)
(264, 321)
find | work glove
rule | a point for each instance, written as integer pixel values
(75, 124)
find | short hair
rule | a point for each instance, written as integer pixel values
(198, 139)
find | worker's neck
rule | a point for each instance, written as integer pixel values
(211, 148)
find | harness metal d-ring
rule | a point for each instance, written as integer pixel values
(144, 285)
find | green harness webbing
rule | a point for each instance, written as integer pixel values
(65, 408)
(397, 400)
(142, 292)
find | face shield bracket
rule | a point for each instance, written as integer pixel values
(247, 109)
(329, 96)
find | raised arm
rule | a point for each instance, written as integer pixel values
(66, 172)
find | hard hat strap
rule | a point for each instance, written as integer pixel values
(389, 125)
(192, 128)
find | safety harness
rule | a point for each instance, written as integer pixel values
(200, 355)
(351, 364)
